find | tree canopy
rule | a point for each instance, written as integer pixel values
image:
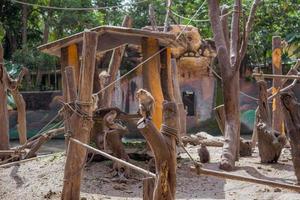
(24, 27)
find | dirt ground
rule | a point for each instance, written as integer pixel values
(43, 179)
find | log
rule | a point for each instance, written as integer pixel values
(178, 99)
(4, 123)
(291, 111)
(80, 126)
(163, 146)
(36, 146)
(277, 121)
(270, 142)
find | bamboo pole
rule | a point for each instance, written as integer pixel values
(127, 164)
(225, 175)
(271, 76)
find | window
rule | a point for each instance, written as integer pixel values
(188, 98)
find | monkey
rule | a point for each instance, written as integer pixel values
(203, 154)
(103, 78)
(146, 103)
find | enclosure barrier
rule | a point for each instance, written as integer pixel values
(199, 171)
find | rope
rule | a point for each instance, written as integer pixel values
(152, 56)
(198, 20)
(141, 170)
(78, 9)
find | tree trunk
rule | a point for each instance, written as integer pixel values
(245, 145)
(163, 146)
(81, 126)
(21, 108)
(291, 112)
(231, 88)
(4, 123)
(270, 142)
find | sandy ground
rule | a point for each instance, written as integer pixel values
(43, 179)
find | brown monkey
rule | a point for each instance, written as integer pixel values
(146, 103)
(203, 154)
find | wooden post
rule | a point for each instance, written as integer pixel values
(114, 65)
(270, 142)
(178, 99)
(277, 120)
(81, 125)
(163, 146)
(73, 60)
(166, 75)
(151, 77)
(69, 57)
(291, 112)
(4, 123)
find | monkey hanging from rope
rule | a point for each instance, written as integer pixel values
(146, 103)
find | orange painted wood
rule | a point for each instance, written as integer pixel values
(151, 77)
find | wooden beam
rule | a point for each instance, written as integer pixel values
(80, 126)
(151, 77)
(277, 119)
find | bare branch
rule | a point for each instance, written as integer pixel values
(219, 39)
(152, 17)
(235, 34)
(224, 21)
(166, 24)
(248, 28)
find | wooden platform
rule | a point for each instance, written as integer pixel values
(110, 37)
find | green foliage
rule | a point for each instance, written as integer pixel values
(33, 59)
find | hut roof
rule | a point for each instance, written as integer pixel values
(110, 37)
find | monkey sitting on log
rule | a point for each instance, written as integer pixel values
(146, 103)
(203, 154)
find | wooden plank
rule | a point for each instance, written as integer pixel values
(122, 33)
(151, 77)
(81, 125)
(277, 120)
